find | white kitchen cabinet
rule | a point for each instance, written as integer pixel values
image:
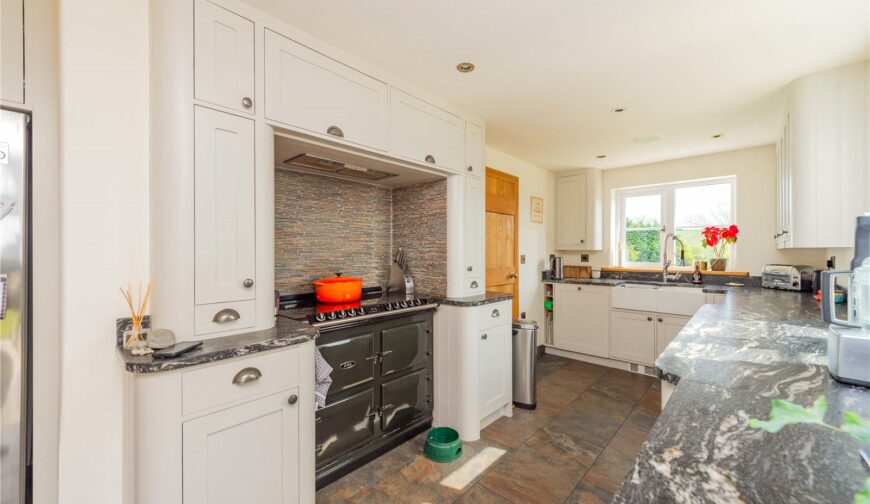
(579, 211)
(581, 316)
(248, 453)
(475, 149)
(313, 92)
(494, 369)
(224, 237)
(475, 227)
(825, 159)
(224, 56)
(633, 336)
(667, 328)
(425, 133)
(12, 50)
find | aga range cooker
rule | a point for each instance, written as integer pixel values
(380, 349)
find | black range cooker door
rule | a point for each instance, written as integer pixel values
(344, 424)
(351, 353)
(404, 400)
(405, 347)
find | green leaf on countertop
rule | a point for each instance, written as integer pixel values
(863, 497)
(856, 426)
(784, 413)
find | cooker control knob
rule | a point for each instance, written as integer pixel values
(342, 314)
(351, 312)
(404, 304)
(331, 315)
(361, 310)
(397, 305)
(320, 317)
(418, 302)
(388, 307)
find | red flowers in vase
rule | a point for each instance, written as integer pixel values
(718, 238)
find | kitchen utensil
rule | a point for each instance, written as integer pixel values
(400, 281)
(338, 289)
(558, 271)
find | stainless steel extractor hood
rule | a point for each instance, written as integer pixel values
(322, 164)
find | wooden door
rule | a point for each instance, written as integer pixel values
(224, 53)
(581, 319)
(502, 234)
(633, 336)
(224, 207)
(248, 453)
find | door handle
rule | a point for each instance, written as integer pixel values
(512, 275)
(386, 407)
(247, 375)
(226, 315)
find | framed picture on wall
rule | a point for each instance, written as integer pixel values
(537, 210)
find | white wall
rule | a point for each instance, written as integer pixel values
(104, 226)
(535, 240)
(755, 169)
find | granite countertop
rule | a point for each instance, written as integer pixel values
(479, 300)
(728, 363)
(286, 333)
(615, 282)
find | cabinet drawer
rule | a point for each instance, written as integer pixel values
(217, 317)
(474, 286)
(492, 315)
(213, 386)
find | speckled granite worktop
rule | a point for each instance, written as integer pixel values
(286, 333)
(480, 300)
(729, 362)
(615, 282)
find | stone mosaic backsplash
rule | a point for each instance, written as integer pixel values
(325, 225)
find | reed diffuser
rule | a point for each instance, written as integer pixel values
(137, 312)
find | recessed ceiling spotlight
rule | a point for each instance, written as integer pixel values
(717, 136)
(465, 67)
(601, 156)
(617, 110)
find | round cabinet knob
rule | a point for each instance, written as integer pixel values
(292, 399)
(661, 319)
(248, 283)
(470, 169)
(483, 337)
(474, 284)
(649, 319)
(247, 102)
(469, 268)
(582, 241)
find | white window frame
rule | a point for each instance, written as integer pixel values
(666, 191)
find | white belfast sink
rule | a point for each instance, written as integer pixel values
(658, 298)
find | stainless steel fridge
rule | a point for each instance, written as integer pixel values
(15, 321)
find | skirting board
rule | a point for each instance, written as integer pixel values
(601, 361)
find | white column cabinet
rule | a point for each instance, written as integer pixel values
(12, 50)
(579, 211)
(248, 453)
(581, 319)
(311, 91)
(475, 149)
(667, 328)
(494, 369)
(475, 228)
(224, 57)
(224, 237)
(424, 133)
(633, 336)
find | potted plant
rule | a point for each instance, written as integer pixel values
(718, 239)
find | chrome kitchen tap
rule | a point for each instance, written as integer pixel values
(666, 263)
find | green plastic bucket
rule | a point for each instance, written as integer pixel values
(443, 445)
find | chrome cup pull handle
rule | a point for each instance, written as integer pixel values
(335, 131)
(430, 158)
(495, 314)
(247, 375)
(226, 315)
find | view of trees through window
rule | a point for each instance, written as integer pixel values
(684, 208)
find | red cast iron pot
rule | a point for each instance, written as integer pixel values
(338, 289)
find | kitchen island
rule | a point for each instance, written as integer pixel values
(728, 363)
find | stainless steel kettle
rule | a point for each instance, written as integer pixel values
(557, 270)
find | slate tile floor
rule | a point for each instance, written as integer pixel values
(576, 447)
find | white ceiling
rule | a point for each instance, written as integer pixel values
(549, 71)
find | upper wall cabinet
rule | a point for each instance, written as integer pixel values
(224, 57)
(12, 50)
(579, 211)
(308, 90)
(475, 149)
(425, 133)
(824, 159)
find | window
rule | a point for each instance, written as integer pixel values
(645, 215)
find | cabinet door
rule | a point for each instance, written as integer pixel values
(571, 212)
(633, 336)
(248, 453)
(224, 238)
(667, 328)
(475, 149)
(343, 425)
(223, 57)
(316, 93)
(494, 369)
(12, 50)
(475, 227)
(581, 319)
(404, 400)
(425, 133)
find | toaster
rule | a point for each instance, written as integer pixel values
(787, 277)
